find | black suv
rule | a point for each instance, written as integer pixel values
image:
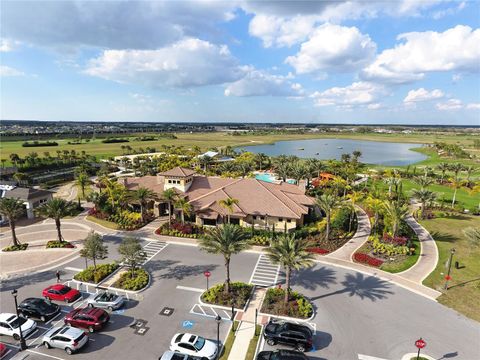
(281, 355)
(38, 308)
(282, 332)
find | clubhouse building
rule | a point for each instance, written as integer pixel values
(260, 204)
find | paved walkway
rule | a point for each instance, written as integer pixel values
(428, 259)
(361, 236)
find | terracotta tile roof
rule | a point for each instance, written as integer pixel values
(154, 183)
(178, 172)
(26, 193)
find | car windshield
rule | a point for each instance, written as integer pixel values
(199, 343)
(17, 322)
(64, 290)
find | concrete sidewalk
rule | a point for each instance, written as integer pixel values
(428, 259)
(361, 236)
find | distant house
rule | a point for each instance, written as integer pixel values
(322, 179)
(215, 156)
(31, 198)
(260, 204)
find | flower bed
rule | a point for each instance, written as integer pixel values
(137, 282)
(181, 230)
(317, 250)
(15, 247)
(298, 306)
(367, 259)
(238, 295)
(124, 219)
(89, 275)
(59, 244)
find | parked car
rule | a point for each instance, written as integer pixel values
(93, 319)
(194, 345)
(171, 355)
(38, 308)
(3, 350)
(67, 338)
(106, 300)
(61, 292)
(286, 333)
(10, 325)
(281, 355)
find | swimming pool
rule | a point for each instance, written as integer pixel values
(270, 178)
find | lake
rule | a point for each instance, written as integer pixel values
(373, 152)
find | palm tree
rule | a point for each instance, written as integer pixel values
(456, 168)
(475, 190)
(57, 209)
(376, 206)
(82, 182)
(291, 254)
(143, 196)
(170, 196)
(395, 212)
(14, 158)
(443, 167)
(228, 204)
(226, 240)
(425, 196)
(456, 184)
(327, 202)
(424, 182)
(12, 209)
(185, 208)
(473, 235)
(298, 171)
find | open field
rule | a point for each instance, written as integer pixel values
(464, 288)
(209, 140)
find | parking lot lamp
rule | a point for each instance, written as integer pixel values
(23, 345)
(218, 319)
(447, 278)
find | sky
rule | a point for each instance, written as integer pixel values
(361, 62)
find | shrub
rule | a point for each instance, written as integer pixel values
(367, 259)
(390, 249)
(114, 141)
(298, 306)
(238, 296)
(89, 275)
(317, 250)
(341, 219)
(127, 219)
(137, 282)
(260, 240)
(23, 246)
(59, 244)
(38, 143)
(397, 240)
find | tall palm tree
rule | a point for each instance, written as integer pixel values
(443, 167)
(425, 196)
(395, 212)
(82, 181)
(291, 254)
(456, 184)
(475, 190)
(298, 171)
(143, 196)
(327, 202)
(228, 204)
(456, 168)
(170, 196)
(424, 182)
(376, 206)
(12, 209)
(184, 206)
(57, 209)
(226, 240)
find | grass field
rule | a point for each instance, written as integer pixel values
(220, 139)
(464, 288)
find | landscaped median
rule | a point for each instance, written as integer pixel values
(20, 247)
(298, 306)
(238, 295)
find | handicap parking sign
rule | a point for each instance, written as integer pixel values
(187, 324)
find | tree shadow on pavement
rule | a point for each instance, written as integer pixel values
(19, 281)
(312, 278)
(180, 272)
(369, 287)
(449, 355)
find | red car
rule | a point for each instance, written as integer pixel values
(3, 350)
(90, 318)
(61, 293)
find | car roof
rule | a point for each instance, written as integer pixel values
(93, 311)
(67, 331)
(186, 338)
(57, 286)
(6, 316)
(33, 301)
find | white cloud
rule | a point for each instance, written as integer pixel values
(67, 25)
(333, 48)
(187, 63)
(473, 106)
(9, 71)
(422, 94)
(449, 11)
(356, 94)
(374, 106)
(451, 104)
(260, 83)
(456, 49)
(7, 45)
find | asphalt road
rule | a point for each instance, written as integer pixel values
(356, 314)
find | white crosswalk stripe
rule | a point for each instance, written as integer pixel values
(265, 273)
(152, 248)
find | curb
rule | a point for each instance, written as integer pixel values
(219, 306)
(288, 318)
(414, 355)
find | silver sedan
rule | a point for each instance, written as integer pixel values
(106, 300)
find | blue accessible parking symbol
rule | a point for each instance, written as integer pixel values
(187, 324)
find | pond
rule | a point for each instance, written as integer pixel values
(373, 152)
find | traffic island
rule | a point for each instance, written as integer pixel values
(95, 275)
(298, 306)
(237, 297)
(133, 280)
(20, 247)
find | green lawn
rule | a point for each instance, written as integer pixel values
(464, 288)
(252, 346)
(104, 223)
(227, 346)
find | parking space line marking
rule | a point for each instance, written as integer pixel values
(179, 287)
(49, 321)
(39, 353)
(73, 269)
(27, 337)
(43, 327)
(5, 355)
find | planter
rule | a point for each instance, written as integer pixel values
(95, 277)
(298, 307)
(238, 297)
(124, 281)
(20, 247)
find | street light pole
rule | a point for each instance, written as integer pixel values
(452, 251)
(218, 319)
(23, 345)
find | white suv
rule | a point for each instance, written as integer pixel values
(67, 338)
(10, 325)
